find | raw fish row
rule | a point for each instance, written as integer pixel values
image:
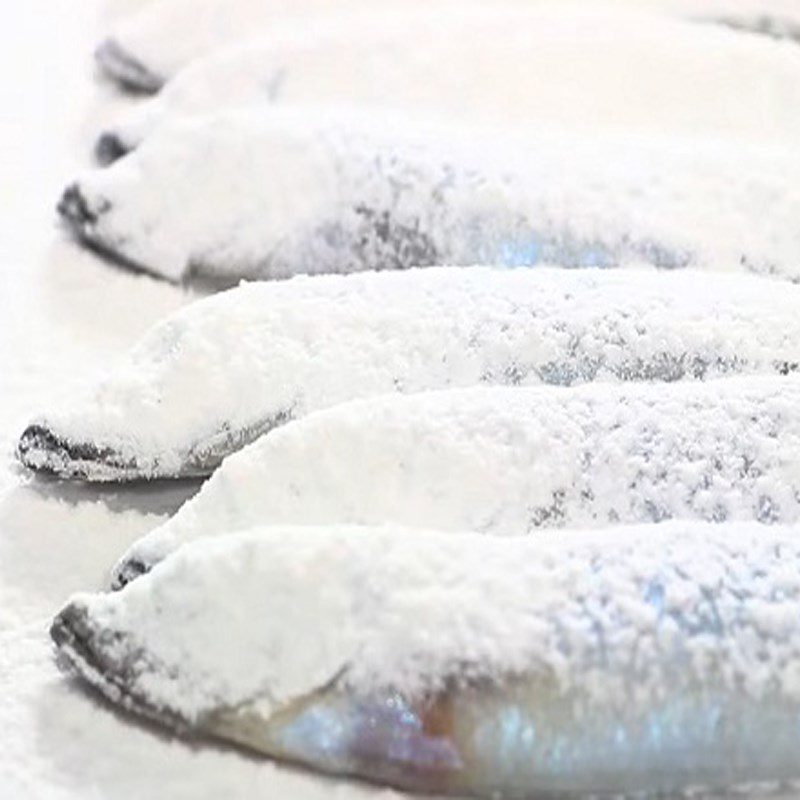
(507, 532)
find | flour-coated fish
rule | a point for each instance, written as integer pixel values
(272, 193)
(511, 461)
(690, 80)
(146, 48)
(217, 374)
(651, 659)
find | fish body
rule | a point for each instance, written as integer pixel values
(215, 375)
(511, 461)
(468, 76)
(268, 193)
(142, 51)
(649, 660)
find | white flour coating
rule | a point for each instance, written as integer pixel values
(274, 192)
(217, 374)
(412, 611)
(511, 461)
(141, 51)
(690, 79)
(56, 743)
(147, 48)
(111, 10)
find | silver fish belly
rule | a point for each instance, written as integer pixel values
(649, 660)
(523, 739)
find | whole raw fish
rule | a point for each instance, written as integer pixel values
(651, 660)
(511, 461)
(270, 193)
(221, 372)
(144, 49)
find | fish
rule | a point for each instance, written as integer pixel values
(127, 70)
(507, 461)
(366, 62)
(143, 50)
(268, 194)
(647, 660)
(228, 368)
